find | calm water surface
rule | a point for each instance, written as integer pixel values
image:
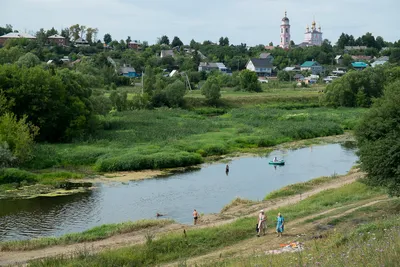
(207, 190)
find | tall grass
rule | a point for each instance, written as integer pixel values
(96, 233)
(151, 139)
(17, 176)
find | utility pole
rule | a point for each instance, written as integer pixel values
(142, 83)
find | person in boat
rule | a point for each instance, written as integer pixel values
(195, 216)
(261, 223)
(280, 224)
(275, 159)
(227, 168)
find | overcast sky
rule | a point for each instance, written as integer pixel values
(243, 21)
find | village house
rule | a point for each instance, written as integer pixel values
(210, 66)
(167, 53)
(81, 42)
(298, 77)
(128, 71)
(361, 58)
(312, 66)
(357, 47)
(134, 45)
(57, 39)
(359, 65)
(339, 59)
(268, 56)
(380, 61)
(262, 66)
(293, 69)
(15, 35)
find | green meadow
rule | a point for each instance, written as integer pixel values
(167, 138)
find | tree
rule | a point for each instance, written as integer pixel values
(211, 90)
(194, 45)
(149, 81)
(249, 81)
(283, 76)
(55, 101)
(66, 33)
(75, 32)
(378, 142)
(17, 136)
(128, 40)
(91, 34)
(28, 60)
(176, 42)
(163, 40)
(5, 30)
(41, 37)
(175, 93)
(51, 32)
(107, 38)
(271, 44)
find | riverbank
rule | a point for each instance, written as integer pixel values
(235, 218)
(22, 184)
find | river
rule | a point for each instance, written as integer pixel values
(206, 190)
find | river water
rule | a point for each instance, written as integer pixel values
(206, 190)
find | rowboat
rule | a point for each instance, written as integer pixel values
(279, 162)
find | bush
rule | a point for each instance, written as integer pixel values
(9, 176)
(174, 93)
(136, 161)
(211, 90)
(18, 136)
(7, 159)
(249, 81)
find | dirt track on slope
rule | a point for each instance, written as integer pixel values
(128, 239)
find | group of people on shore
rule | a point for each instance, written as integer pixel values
(262, 224)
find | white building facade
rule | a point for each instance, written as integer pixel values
(285, 32)
(313, 37)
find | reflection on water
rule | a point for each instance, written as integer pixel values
(207, 190)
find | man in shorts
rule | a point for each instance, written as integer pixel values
(195, 216)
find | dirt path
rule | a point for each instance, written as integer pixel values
(212, 220)
(258, 246)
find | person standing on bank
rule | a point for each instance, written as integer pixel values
(261, 223)
(195, 216)
(280, 225)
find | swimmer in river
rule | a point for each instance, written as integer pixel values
(159, 215)
(227, 168)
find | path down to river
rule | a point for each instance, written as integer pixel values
(138, 237)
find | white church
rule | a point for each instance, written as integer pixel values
(312, 37)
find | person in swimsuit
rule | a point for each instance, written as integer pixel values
(195, 216)
(227, 169)
(261, 223)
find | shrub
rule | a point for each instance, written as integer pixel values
(7, 159)
(136, 161)
(174, 93)
(9, 176)
(19, 136)
(211, 90)
(249, 81)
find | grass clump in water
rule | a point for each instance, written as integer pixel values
(96, 233)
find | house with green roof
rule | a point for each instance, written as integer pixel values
(312, 66)
(359, 65)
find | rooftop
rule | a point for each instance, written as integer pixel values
(359, 64)
(261, 62)
(18, 35)
(56, 36)
(309, 64)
